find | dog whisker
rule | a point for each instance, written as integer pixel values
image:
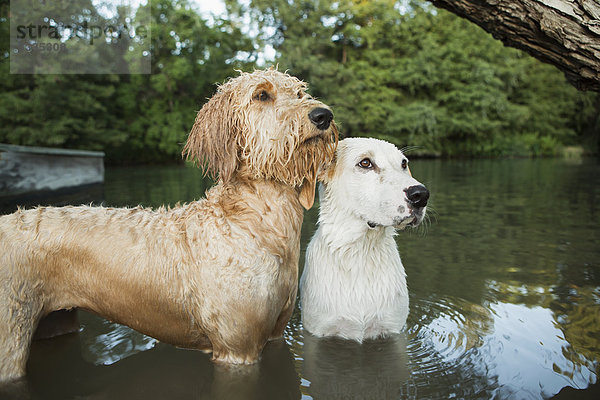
(408, 149)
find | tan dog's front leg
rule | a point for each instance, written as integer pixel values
(284, 317)
(242, 351)
(238, 336)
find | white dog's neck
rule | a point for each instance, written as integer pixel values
(344, 231)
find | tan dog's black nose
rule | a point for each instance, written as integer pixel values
(321, 117)
(417, 196)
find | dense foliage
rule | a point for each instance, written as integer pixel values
(133, 118)
(414, 75)
(402, 71)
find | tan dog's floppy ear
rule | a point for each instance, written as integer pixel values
(213, 138)
(323, 174)
(307, 191)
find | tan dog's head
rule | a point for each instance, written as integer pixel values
(263, 125)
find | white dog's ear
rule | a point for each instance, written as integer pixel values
(213, 140)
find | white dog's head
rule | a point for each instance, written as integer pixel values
(370, 180)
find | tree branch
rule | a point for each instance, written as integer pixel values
(565, 33)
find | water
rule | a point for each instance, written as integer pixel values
(504, 285)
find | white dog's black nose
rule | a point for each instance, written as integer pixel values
(417, 196)
(321, 117)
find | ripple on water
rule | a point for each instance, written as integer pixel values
(441, 332)
(105, 343)
(465, 350)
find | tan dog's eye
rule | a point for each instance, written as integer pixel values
(365, 163)
(300, 95)
(262, 96)
(404, 164)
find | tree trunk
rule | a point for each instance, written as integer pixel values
(565, 33)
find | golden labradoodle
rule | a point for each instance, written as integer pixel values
(219, 274)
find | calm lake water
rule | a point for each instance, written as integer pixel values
(504, 285)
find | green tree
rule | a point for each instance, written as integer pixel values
(56, 110)
(188, 58)
(133, 118)
(398, 70)
(411, 74)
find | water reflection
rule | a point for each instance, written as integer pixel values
(503, 350)
(105, 343)
(57, 370)
(505, 303)
(343, 369)
(511, 267)
(530, 353)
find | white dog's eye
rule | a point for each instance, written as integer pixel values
(262, 96)
(404, 163)
(300, 95)
(365, 163)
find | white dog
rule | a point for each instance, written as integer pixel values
(354, 285)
